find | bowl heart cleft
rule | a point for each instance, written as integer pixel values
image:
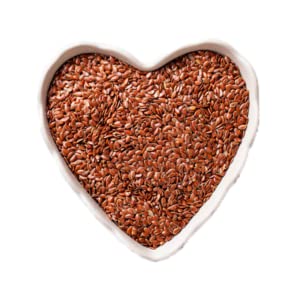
(149, 147)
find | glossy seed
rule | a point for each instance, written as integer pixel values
(149, 147)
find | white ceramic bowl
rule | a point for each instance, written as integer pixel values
(232, 173)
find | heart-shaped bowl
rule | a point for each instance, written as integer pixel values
(178, 241)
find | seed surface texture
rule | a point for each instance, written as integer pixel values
(149, 147)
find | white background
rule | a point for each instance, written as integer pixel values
(51, 247)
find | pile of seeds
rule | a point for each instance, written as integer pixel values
(149, 147)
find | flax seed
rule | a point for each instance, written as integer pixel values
(149, 147)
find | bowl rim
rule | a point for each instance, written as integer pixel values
(232, 174)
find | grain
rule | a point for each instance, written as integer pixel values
(149, 147)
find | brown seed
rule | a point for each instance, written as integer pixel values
(149, 147)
